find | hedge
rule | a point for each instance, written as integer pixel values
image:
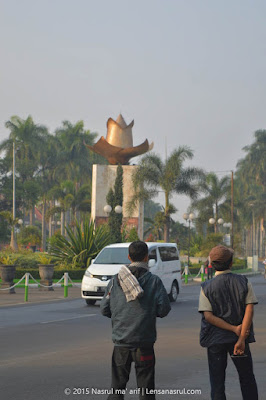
(75, 274)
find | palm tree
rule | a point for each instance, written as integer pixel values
(170, 176)
(69, 198)
(254, 164)
(8, 217)
(251, 183)
(215, 191)
(28, 138)
(75, 159)
(47, 165)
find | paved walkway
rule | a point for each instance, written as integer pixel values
(37, 296)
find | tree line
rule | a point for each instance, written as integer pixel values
(54, 172)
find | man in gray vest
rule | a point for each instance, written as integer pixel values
(226, 303)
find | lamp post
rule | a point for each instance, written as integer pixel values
(53, 227)
(227, 225)
(114, 221)
(13, 242)
(188, 218)
(214, 222)
(107, 209)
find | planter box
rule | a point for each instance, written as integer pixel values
(7, 273)
(46, 272)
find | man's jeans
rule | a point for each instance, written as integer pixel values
(217, 358)
(144, 360)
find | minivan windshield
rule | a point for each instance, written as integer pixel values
(115, 255)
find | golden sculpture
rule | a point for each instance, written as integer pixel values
(118, 147)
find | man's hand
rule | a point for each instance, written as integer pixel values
(239, 346)
(237, 329)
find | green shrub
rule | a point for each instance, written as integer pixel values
(76, 274)
(133, 235)
(21, 271)
(27, 261)
(29, 235)
(83, 244)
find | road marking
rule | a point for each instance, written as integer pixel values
(188, 299)
(67, 319)
(37, 356)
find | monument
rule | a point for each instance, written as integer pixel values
(117, 148)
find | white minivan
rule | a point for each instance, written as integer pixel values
(163, 261)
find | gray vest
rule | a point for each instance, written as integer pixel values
(227, 294)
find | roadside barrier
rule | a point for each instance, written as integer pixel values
(65, 284)
(11, 287)
(27, 277)
(202, 273)
(187, 272)
(47, 286)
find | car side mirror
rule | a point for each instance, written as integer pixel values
(92, 260)
(151, 263)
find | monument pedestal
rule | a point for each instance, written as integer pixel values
(103, 179)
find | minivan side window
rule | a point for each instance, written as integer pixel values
(153, 255)
(168, 253)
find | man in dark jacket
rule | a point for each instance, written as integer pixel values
(226, 303)
(133, 299)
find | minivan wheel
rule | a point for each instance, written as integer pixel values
(174, 292)
(90, 302)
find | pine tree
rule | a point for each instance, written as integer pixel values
(115, 198)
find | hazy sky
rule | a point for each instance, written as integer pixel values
(193, 72)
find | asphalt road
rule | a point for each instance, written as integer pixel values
(47, 348)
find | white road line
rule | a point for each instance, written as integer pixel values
(67, 319)
(187, 299)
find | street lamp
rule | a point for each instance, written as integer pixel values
(227, 237)
(189, 218)
(19, 222)
(213, 221)
(107, 209)
(118, 209)
(53, 223)
(227, 225)
(114, 220)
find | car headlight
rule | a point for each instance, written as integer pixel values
(87, 273)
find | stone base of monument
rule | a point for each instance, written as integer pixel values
(103, 178)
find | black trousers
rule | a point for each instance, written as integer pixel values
(144, 360)
(217, 359)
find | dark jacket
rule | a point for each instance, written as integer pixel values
(134, 322)
(227, 295)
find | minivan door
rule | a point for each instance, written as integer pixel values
(157, 268)
(171, 265)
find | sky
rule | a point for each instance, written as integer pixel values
(189, 72)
